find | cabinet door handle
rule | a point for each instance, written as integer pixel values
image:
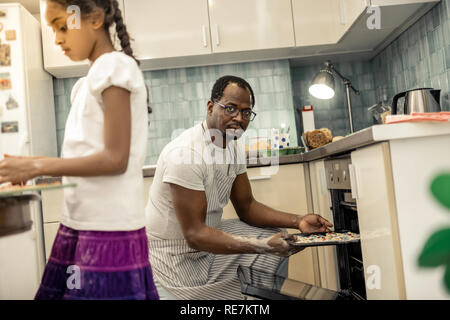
(217, 35)
(205, 42)
(256, 178)
(342, 12)
(354, 181)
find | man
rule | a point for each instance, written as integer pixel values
(193, 253)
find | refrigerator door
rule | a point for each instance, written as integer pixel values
(23, 115)
(14, 138)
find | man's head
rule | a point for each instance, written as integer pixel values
(230, 108)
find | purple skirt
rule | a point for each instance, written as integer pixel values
(98, 265)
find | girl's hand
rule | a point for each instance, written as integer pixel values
(314, 223)
(18, 169)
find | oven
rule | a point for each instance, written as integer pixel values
(350, 270)
(345, 218)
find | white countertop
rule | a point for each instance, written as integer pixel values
(378, 133)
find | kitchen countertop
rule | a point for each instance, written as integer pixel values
(378, 133)
(365, 137)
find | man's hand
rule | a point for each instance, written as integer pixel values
(279, 244)
(314, 223)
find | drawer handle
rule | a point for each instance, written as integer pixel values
(205, 43)
(342, 12)
(354, 181)
(256, 178)
(217, 35)
(323, 181)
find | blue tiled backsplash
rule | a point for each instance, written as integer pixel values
(420, 57)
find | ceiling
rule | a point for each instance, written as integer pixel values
(30, 5)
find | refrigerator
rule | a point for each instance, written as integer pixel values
(27, 119)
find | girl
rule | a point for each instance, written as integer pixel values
(101, 250)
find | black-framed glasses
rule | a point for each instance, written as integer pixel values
(232, 111)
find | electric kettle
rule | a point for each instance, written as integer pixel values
(418, 100)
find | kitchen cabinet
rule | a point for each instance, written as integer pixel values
(321, 199)
(324, 22)
(373, 188)
(179, 34)
(284, 188)
(250, 25)
(377, 27)
(163, 29)
(55, 61)
(52, 204)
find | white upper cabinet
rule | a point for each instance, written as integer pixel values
(323, 22)
(351, 10)
(55, 61)
(238, 25)
(186, 33)
(163, 29)
(178, 28)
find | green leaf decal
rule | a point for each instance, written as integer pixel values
(436, 250)
(440, 188)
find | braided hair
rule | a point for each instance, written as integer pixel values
(113, 15)
(223, 82)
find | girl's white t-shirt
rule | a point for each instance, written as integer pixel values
(114, 202)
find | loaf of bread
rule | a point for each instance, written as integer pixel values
(318, 138)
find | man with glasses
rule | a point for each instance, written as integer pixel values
(193, 252)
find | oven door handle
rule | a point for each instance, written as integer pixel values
(354, 181)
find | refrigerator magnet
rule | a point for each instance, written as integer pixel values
(1, 26)
(5, 55)
(5, 81)
(10, 35)
(2, 13)
(11, 103)
(10, 127)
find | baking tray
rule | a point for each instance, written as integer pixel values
(323, 243)
(29, 189)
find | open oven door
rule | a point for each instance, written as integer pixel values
(267, 286)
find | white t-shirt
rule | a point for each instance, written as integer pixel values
(115, 202)
(192, 161)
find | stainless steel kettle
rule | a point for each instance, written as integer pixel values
(418, 100)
